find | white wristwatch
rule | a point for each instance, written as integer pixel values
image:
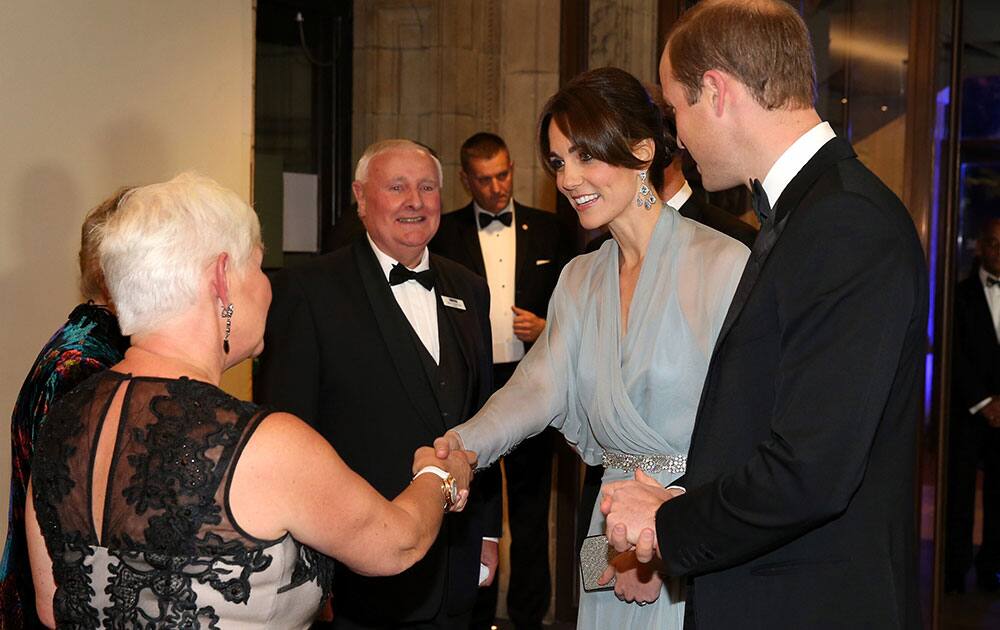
(449, 489)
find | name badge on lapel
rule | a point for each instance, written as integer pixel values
(451, 302)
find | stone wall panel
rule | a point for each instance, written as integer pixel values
(437, 71)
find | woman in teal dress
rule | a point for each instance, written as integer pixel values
(88, 342)
(620, 366)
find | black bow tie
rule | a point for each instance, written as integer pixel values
(992, 282)
(485, 218)
(758, 201)
(400, 274)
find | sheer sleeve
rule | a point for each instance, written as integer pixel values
(542, 391)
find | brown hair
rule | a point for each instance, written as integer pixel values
(481, 146)
(91, 276)
(763, 43)
(606, 112)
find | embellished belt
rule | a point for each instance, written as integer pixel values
(675, 464)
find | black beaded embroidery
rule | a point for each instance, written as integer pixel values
(165, 525)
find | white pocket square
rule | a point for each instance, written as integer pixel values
(542, 262)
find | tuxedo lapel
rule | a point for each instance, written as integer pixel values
(469, 236)
(398, 336)
(833, 151)
(461, 321)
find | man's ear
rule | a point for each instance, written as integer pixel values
(359, 195)
(644, 150)
(462, 175)
(715, 88)
(220, 281)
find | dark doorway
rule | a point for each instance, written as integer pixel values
(302, 116)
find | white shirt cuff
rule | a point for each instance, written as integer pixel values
(682, 489)
(973, 410)
(491, 539)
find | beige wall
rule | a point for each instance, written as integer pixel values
(96, 95)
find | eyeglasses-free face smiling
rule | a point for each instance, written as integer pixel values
(597, 190)
(400, 203)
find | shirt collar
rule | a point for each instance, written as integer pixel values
(787, 166)
(509, 208)
(983, 275)
(681, 196)
(386, 261)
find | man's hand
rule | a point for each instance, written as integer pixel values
(992, 412)
(635, 581)
(490, 556)
(630, 508)
(527, 325)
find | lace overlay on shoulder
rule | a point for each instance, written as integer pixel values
(168, 553)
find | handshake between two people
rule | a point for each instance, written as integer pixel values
(449, 455)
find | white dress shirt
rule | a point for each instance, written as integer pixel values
(786, 167)
(418, 304)
(993, 302)
(681, 196)
(499, 246)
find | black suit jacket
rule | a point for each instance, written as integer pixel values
(340, 354)
(800, 509)
(976, 355)
(542, 247)
(706, 214)
(718, 219)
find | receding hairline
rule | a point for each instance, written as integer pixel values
(387, 146)
(482, 145)
(790, 91)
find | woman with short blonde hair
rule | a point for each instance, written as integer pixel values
(160, 500)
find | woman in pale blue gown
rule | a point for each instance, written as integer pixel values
(620, 365)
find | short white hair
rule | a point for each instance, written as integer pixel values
(155, 250)
(382, 146)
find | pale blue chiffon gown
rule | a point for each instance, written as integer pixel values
(635, 394)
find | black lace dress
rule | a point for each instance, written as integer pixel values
(170, 553)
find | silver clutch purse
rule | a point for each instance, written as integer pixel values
(595, 554)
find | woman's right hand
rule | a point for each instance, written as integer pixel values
(635, 581)
(451, 441)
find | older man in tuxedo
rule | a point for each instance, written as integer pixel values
(381, 346)
(975, 419)
(797, 509)
(519, 251)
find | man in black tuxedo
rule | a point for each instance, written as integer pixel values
(520, 252)
(975, 419)
(381, 346)
(798, 507)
